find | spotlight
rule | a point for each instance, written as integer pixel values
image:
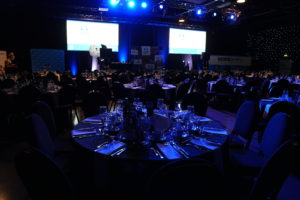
(199, 11)
(144, 5)
(241, 1)
(161, 6)
(214, 14)
(114, 2)
(131, 4)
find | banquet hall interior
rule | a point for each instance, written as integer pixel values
(149, 99)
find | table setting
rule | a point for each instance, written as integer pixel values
(161, 135)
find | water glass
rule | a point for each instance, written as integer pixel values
(178, 106)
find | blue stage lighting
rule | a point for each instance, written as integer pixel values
(214, 14)
(232, 16)
(199, 11)
(114, 2)
(144, 5)
(161, 6)
(131, 4)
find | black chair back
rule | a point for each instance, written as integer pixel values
(92, 102)
(44, 110)
(182, 90)
(42, 178)
(197, 100)
(275, 171)
(246, 119)
(38, 135)
(186, 179)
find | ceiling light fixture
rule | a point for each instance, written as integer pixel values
(181, 20)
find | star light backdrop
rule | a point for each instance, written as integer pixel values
(270, 45)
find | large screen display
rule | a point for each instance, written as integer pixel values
(182, 41)
(82, 34)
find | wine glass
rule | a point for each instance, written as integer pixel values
(178, 106)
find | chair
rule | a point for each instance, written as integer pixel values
(276, 169)
(276, 91)
(275, 133)
(42, 178)
(92, 102)
(197, 100)
(27, 96)
(43, 110)
(64, 111)
(38, 135)
(154, 92)
(246, 119)
(264, 87)
(222, 96)
(186, 179)
(182, 90)
(119, 91)
(290, 109)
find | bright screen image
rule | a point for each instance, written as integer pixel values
(182, 41)
(82, 34)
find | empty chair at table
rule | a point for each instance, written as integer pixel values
(290, 109)
(275, 171)
(38, 134)
(42, 178)
(44, 110)
(186, 179)
(92, 103)
(154, 92)
(182, 89)
(274, 135)
(197, 100)
(245, 123)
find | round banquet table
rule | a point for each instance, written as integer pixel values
(169, 90)
(208, 136)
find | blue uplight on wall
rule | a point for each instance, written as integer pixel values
(131, 4)
(114, 2)
(199, 12)
(232, 17)
(73, 66)
(123, 53)
(144, 5)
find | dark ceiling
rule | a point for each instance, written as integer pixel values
(253, 11)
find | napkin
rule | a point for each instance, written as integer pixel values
(160, 123)
(92, 120)
(267, 99)
(83, 131)
(215, 131)
(168, 151)
(203, 119)
(110, 147)
(204, 143)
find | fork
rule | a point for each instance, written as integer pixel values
(156, 152)
(179, 149)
